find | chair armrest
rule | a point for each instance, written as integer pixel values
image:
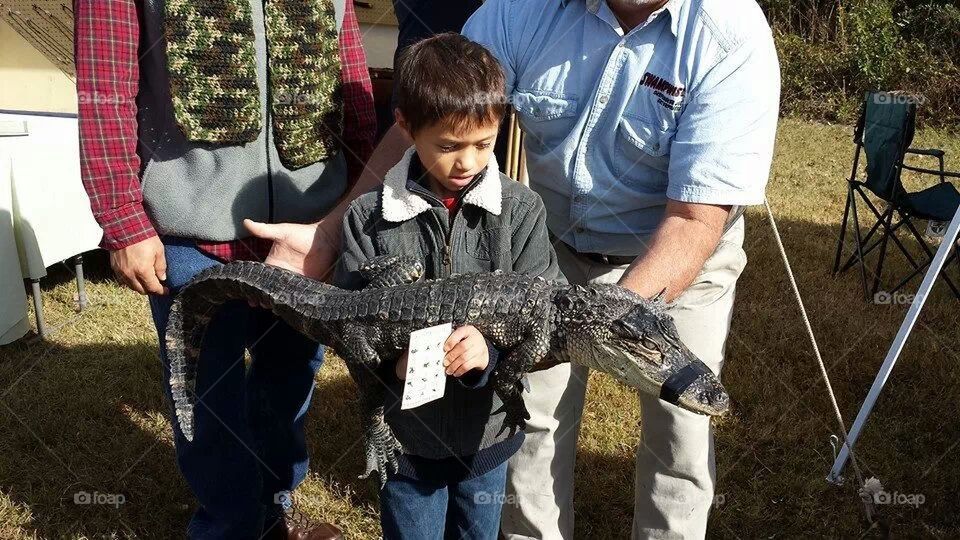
(941, 174)
(926, 152)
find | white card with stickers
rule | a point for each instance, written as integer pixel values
(426, 378)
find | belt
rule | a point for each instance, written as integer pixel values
(619, 260)
(612, 260)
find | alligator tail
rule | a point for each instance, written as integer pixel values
(288, 295)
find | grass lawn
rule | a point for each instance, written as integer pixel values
(84, 412)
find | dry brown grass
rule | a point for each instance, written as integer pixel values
(84, 411)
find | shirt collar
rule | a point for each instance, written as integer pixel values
(672, 7)
(399, 203)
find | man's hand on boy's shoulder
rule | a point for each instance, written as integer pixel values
(466, 350)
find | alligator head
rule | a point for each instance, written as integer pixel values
(633, 339)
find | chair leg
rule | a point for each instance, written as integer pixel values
(903, 248)
(876, 243)
(956, 259)
(866, 239)
(886, 220)
(863, 270)
(843, 229)
(929, 252)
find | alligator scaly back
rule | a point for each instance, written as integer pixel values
(288, 294)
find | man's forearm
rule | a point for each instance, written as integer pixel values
(684, 241)
(385, 156)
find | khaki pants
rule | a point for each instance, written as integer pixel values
(675, 476)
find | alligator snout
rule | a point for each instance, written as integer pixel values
(694, 387)
(647, 339)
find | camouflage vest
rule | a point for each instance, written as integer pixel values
(211, 63)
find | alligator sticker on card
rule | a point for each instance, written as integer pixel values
(426, 379)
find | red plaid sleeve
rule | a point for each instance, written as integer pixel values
(107, 36)
(360, 117)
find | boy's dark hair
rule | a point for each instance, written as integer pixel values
(448, 78)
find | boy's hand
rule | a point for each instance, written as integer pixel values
(466, 350)
(401, 368)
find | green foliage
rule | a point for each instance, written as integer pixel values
(832, 51)
(875, 45)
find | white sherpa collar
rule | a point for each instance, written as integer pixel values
(400, 204)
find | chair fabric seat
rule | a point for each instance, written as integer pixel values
(937, 202)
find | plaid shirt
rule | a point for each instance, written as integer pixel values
(107, 39)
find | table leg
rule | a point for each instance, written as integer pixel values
(38, 308)
(81, 290)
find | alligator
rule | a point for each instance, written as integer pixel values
(537, 324)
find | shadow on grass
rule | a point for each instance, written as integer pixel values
(90, 423)
(773, 451)
(92, 418)
(84, 425)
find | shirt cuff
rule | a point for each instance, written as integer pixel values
(701, 195)
(476, 378)
(125, 226)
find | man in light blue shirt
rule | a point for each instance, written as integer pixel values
(649, 125)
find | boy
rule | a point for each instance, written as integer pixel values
(446, 204)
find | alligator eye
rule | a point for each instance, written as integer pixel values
(622, 329)
(650, 344)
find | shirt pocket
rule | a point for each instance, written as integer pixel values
(486, 247)
(642, 145)
(408, 244)
(545, 117)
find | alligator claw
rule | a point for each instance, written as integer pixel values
(515, 414)
(381, 449)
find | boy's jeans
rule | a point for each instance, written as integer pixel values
(249, 451)
(469, 510)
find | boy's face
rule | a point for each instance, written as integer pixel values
(452, 157)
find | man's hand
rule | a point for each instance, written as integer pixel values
(141, 266)
(308, 249)
(466, 350)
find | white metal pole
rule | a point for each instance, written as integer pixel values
(893, 354)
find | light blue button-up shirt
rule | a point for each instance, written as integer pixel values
(683, 106)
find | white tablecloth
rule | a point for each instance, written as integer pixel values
(44, 212)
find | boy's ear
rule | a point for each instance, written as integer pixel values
(402, 123)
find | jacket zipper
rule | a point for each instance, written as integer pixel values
(447, 259)
(448, 230)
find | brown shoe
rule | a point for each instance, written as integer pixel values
(296, 526)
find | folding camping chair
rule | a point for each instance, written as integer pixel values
(884, 133)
